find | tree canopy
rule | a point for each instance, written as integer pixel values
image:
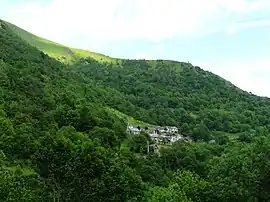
(60, 140)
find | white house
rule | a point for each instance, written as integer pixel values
(172, 129)
(176, 138)
(133, 130)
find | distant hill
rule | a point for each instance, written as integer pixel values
(162, 92)
(63, 120)
(55, 50)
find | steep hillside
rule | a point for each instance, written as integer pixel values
(53, 129)
(165, 92)
(55, 50)
(62, 129)
(173, 93)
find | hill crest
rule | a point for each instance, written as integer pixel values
(58, 51)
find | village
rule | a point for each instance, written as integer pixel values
(159, 135)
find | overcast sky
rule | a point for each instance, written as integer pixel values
(228, 37)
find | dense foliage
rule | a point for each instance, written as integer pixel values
(60, 142)
(172, 93)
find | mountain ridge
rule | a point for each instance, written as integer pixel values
(151, 90)
(70, 55)
(53, 49)
(63, 131)
(152, 76)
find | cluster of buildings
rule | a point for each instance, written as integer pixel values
(167, 134)
(159, 135)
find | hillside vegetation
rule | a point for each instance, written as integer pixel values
(62, 129)
(178, 94)
(164, 92)
(55, 50)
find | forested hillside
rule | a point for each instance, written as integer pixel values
(173, 93)
(54, 138)
(60, 139)
(163, 92)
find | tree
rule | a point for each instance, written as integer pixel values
(138, 143)
(196, 188)
(166, 194)
(106, 136)
(22, 184)
(201, 132)
(242, 173)
(184, 129)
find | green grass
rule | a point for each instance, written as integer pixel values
(125, 145)
(233, 136)
(97, 56)
(69, 55)
(55, 50)
(129, 119)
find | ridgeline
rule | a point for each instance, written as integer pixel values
(64, 114)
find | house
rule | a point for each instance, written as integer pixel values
(154, 135)
(166, 130)
(160, 135)
(133, 130)
(172, 129)
(176, 138)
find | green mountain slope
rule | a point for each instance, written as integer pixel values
(55, 132)
(62, 130)
(55, 50)
(173, 93)
(166, 92)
